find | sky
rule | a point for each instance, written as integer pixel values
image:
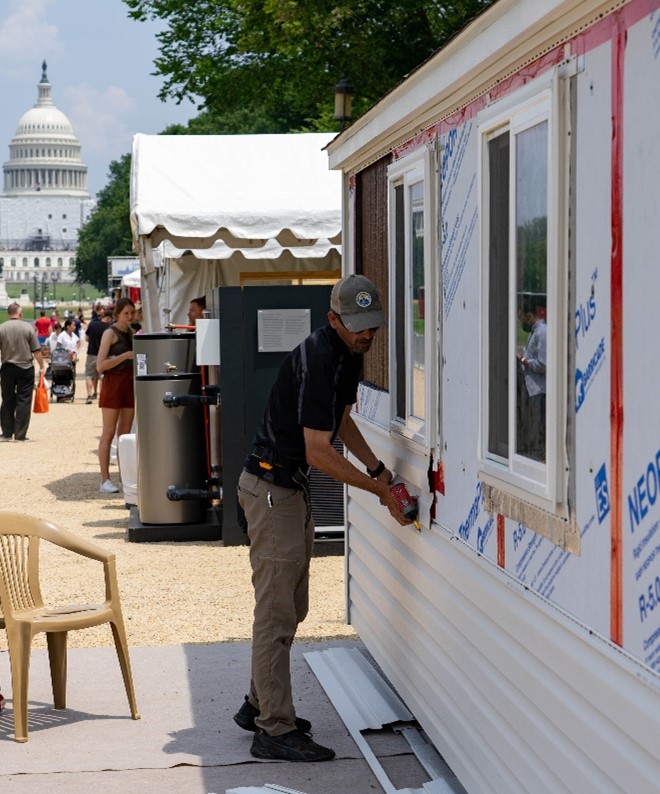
(99, 66)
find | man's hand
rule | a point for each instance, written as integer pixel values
(322, 455)
(388, 501)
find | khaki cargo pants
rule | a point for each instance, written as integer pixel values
(281, 532)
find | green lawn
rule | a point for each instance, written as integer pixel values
(68, 296)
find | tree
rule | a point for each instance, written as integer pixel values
(282, 58)
(108, 231)
(269, 66)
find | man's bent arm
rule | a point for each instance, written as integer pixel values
(323, 456)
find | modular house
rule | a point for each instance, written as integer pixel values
(505, 197)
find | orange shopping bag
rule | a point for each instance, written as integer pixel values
(41, 397)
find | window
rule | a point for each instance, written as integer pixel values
(411, 247)
(523, 361)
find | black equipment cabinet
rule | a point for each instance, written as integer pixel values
(246, 377)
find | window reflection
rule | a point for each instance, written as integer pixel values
(498, 296)
(417, 313)
(531, 283)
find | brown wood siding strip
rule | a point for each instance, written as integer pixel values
(371, 256)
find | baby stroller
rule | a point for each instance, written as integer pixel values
(63, 375)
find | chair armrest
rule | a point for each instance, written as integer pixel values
(74, 543)
(67, 540)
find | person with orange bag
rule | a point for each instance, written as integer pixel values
(18, 346)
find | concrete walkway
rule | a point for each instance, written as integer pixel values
(186, 739)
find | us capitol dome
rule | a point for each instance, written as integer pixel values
(45, 199)
(44, 154)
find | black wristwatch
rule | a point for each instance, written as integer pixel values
(380, 468)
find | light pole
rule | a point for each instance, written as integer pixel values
(54, 277)
(36, 280)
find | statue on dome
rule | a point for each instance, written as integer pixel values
(44, 76)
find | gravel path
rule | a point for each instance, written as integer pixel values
(172, 593)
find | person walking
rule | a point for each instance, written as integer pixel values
(18, 347)
(43, 327)
(95, 330)
(309, 404)
(115, 363)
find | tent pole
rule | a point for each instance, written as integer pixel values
(149, 286)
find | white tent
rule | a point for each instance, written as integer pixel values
(131, 279)
(219, 206)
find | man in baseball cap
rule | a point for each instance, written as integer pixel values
(309, 404)
(355, 299)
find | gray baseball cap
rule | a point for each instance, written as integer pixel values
(355, 298)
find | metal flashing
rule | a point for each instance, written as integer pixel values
(266, 787)
(365, 701)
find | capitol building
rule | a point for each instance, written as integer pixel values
(45, 200)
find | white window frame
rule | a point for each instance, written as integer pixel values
(540, 484)
(418, 166)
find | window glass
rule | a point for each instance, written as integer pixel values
(531, 289)
(498, 296)
(416, 309)
(409, 262)
(399, 300)
(516, 215)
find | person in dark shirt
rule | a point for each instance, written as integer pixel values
(94, 332)
(309, 404)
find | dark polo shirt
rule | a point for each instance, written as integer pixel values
(315, 383)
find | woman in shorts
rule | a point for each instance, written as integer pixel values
(115, 363)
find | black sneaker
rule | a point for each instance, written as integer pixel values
(292, 746)
(247, 713)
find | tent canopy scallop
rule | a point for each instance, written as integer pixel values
(253, 186)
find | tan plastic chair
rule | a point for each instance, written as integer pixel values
(23, 614)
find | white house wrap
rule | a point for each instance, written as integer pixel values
(521, 165)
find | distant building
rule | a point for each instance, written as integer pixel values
(45, 199)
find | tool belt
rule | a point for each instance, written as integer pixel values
(264, 463)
